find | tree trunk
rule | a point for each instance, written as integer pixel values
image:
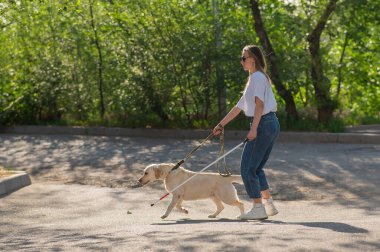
(207, 67)
(221, 89)
(100, 63)
(325, 104)
(285, 94)
(340, 65)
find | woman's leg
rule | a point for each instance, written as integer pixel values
(253, 155)
(264, 185)
(248, 162)
(272, 132)
(256, 153)
(251, 159)
(270, 208)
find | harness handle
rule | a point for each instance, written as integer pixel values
(192, 151)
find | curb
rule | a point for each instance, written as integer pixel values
(14, 182)
(370, 128)
(285, 136)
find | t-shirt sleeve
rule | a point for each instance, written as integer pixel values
(241, 103)
(259, 84)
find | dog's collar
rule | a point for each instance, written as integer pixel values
(177, 165)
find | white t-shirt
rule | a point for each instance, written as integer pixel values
(258, 86)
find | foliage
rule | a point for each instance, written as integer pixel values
(157, 60)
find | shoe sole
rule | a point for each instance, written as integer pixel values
(273, 214)
(264, 218)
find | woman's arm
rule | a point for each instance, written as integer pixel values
(259, 108)
(229, 117)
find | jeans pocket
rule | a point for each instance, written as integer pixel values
(268, 128)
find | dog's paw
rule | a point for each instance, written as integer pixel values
(212, 216)
(164, 216)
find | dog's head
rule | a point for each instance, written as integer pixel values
(152, 173)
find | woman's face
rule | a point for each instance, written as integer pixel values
(247, 62)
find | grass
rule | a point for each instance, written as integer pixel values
(5, 172)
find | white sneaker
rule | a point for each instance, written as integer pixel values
(269, 207)
(256, 213)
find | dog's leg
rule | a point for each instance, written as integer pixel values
(180, 208)
(219, 207)
(229, 196)
(240, 205)
(174, 201)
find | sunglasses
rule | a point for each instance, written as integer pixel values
(242, 58)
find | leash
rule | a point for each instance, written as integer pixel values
(226, 172)
(187, 180)
(191, 152)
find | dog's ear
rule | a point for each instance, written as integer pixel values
(157, 172)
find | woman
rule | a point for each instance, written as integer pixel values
(259, 104)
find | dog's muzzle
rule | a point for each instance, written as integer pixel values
(142, 183)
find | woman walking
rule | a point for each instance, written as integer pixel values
(259, 104)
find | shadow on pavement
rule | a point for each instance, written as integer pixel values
(333, 226)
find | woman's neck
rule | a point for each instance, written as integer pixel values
(252, 70)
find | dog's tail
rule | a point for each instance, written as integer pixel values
(235, 178)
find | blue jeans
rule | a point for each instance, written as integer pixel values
(256, 153)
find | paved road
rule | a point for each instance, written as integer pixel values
(55, 217)
(83, 188)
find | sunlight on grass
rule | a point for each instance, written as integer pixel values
(5, 172)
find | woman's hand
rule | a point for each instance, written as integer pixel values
(217, 130)
(252, 134)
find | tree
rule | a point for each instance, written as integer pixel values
(221, 88)
(322, 85)
(176, 63)
(265, 42)
(100, 58)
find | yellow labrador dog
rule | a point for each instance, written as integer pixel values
(203, 186)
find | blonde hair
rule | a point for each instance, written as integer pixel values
(258, 56)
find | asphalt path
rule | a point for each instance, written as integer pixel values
(84, 197)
